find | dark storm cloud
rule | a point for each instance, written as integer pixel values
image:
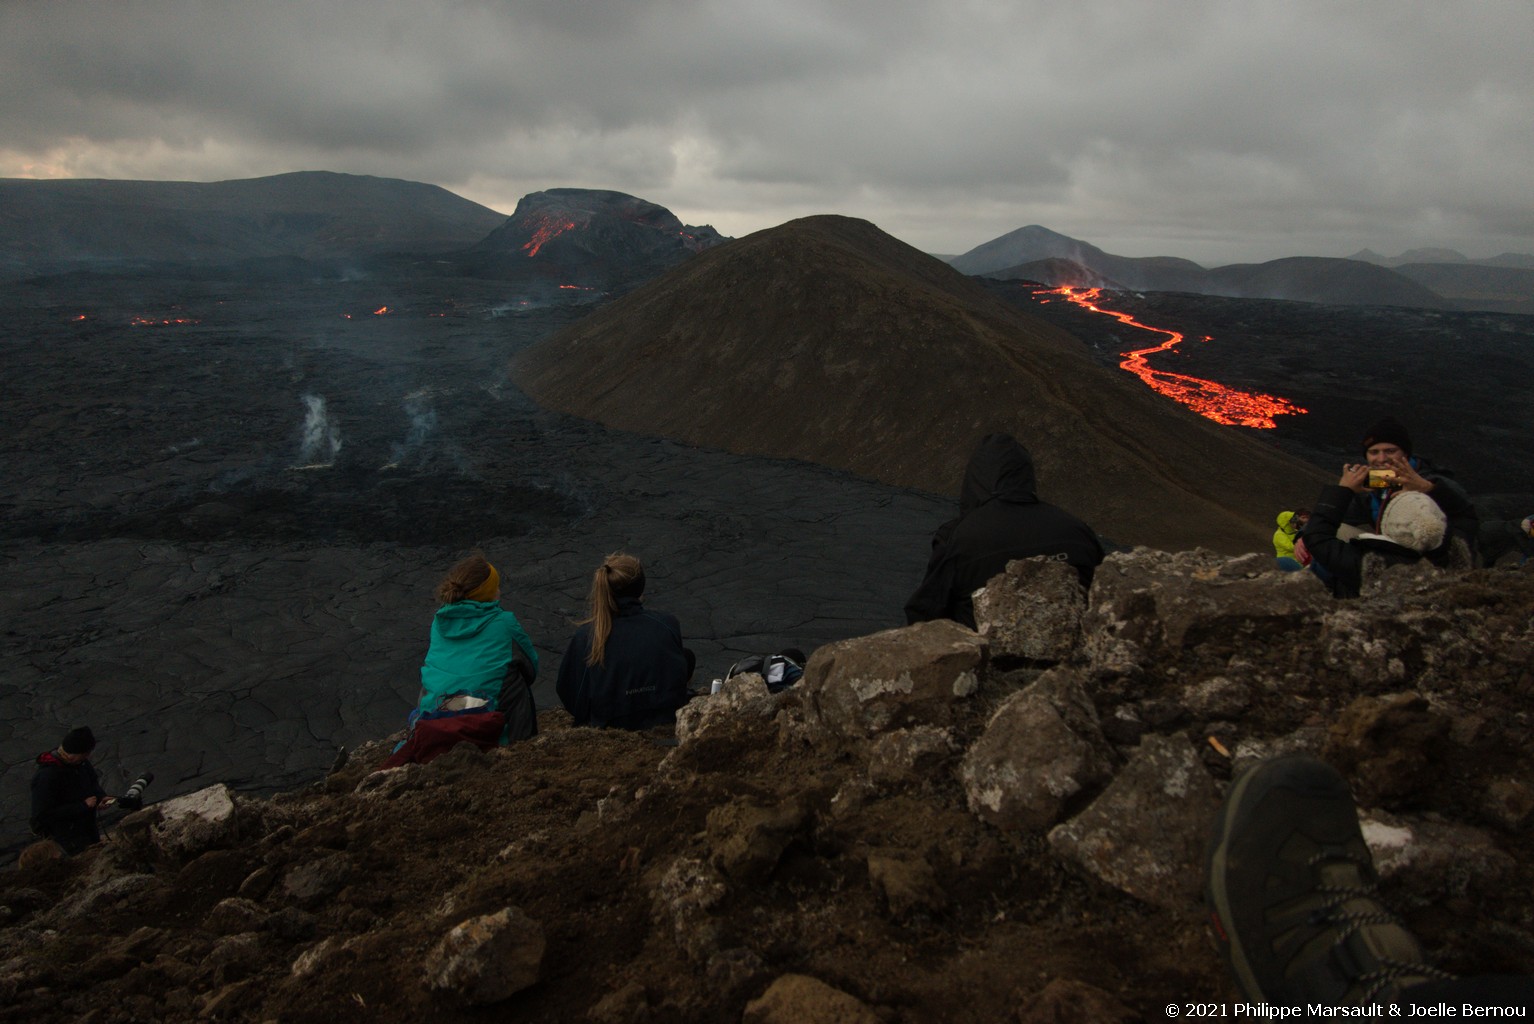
(1231, 130)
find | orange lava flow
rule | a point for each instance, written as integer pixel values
(144, 321)
(547, 228)
(381, 310)
(1213, 401)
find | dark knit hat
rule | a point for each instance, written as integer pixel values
(1388, 431)
(79, 741)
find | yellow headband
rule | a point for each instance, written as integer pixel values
(487, 590)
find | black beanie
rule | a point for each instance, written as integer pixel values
(79, 741)
(1388, 431)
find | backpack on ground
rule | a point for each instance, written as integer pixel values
(779, 670)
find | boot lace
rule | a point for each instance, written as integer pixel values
(1335, 913)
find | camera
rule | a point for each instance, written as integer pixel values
(133, 799)
(1382, 478)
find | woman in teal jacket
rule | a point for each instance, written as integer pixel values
(479, 652)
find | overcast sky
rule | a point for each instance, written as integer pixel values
(1219, 131)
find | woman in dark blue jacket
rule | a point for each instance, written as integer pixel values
(625, 667)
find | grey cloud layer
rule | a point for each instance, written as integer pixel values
(1309, 127)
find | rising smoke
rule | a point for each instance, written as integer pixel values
(423, 421)
(321, 435)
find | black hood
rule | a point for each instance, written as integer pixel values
(1000, 468)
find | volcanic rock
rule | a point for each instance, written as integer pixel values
(1032, 610)
(1040, 751)
(894, 680)
(187, 825)
(488, 958)
(1146, 833)
(864, 354)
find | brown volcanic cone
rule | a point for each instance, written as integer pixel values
(827, 340)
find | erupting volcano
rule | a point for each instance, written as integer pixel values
(544, 228)
(1224, 405)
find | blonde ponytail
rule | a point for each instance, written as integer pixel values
(619, 575)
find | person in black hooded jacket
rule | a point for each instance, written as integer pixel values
(66, 793)
(1000, 518)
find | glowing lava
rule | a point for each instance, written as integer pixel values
(1213, 401)
(544, 228)
(145, 321)
(381, 310)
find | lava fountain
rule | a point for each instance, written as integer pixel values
(1224, 405)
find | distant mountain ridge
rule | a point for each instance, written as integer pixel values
(1518, 260)
(1023, 254)
(563, 242)
(53, 225)
(564, 245)
(1033, 243)
(827, 340)
(1431, 278)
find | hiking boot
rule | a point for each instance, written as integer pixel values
(1291, 893)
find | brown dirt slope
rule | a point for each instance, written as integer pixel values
(827, 340)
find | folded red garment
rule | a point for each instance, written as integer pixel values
(433, 737)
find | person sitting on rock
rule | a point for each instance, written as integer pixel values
(625, 666)
(1000, 518)
(1289, 526)
(1387, 451)
(479, 656)
(1412, 527)
(1498, 537)
(66, 793)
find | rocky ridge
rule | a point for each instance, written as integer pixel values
(937, 824)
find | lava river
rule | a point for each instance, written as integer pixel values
(1214, 401)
